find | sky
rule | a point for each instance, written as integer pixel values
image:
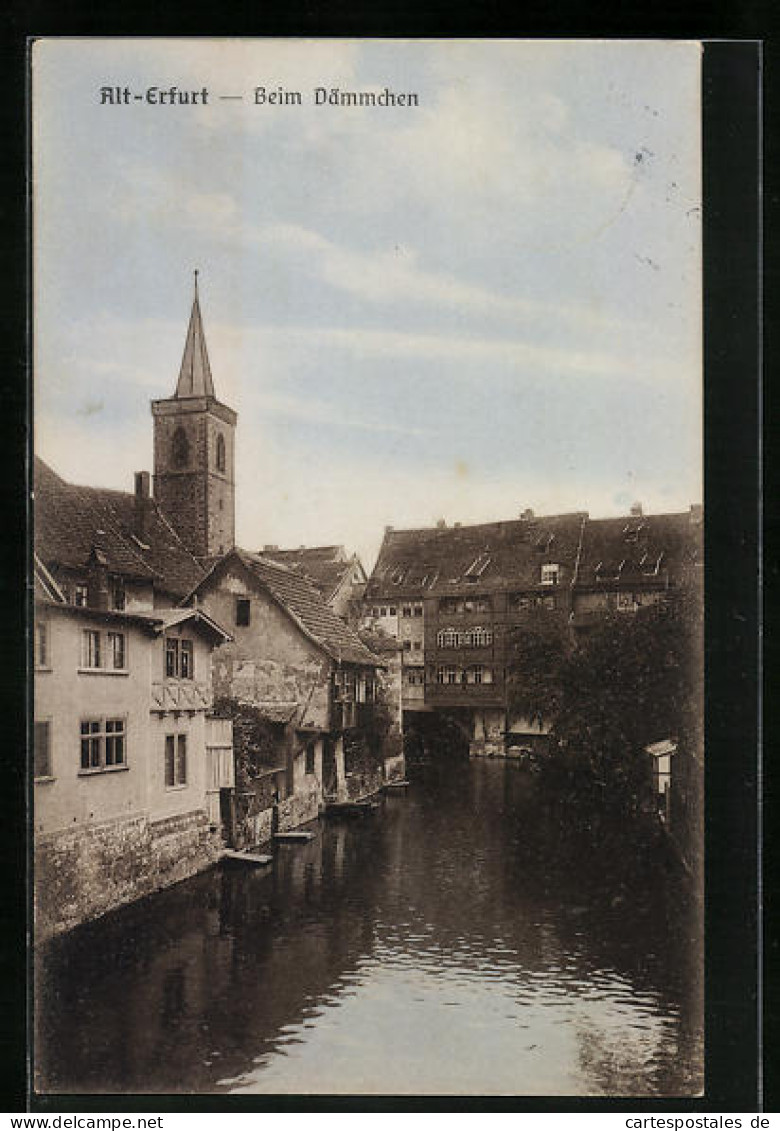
(460, 309)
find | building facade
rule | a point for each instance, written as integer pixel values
(305, 671)
(125, 755)
(478, 585)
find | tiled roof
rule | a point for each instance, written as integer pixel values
(640, 548)
(70, 521)
(497, 555)
(164, 619)
(324, 566)
(44, 585)
(304, 605)
(442, 560)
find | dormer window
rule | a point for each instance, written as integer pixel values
(651, 566)
(551, 573)
(477, 568)
(632, 531)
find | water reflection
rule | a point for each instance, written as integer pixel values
(459, 942)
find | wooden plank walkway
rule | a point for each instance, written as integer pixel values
(351, 808)
(255, 858)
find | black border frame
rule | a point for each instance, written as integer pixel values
(732, 292)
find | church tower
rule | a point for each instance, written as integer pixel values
(194, 452)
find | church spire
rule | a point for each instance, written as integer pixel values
(195, 374)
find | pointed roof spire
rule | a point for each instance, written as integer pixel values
(195, 374)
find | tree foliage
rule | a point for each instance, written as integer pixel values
(257, 743)
(632, 680)
(538, 650)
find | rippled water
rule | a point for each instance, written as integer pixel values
(460, 941)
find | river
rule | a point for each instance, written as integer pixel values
(460, 941)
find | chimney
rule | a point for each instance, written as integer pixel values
(697, 514)
(141, 505)
(527, 514)
(456, 525)
(269, 547)
(636, 510)
(441, 524)
(388, 530)
(97, 580)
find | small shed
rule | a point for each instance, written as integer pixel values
(662, 753)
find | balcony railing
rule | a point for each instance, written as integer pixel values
(181, 695)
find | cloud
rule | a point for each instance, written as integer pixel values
(333, 415)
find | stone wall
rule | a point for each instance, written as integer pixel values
(298, 809)
(82, 873)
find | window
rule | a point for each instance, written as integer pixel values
(115, 742)
(448, 638)
(478, 674)
(383, 611)
(417, 645)
(220, 452)
(392, 610)
(415, 676)
(480, 637)
(42, 750)
(310, 758)
(175, 760)
(550, 574)
(243, 611)
(118, 594)
(178, 658)
(180, 448)
(103, 744)
(116, 650)
(90, 648)
(407, 645)
(549, 602)
(80, 594)
(406, 611)
(418, 609)
(448, 674)
(41, 644)
(464, 605)
(625, 602)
